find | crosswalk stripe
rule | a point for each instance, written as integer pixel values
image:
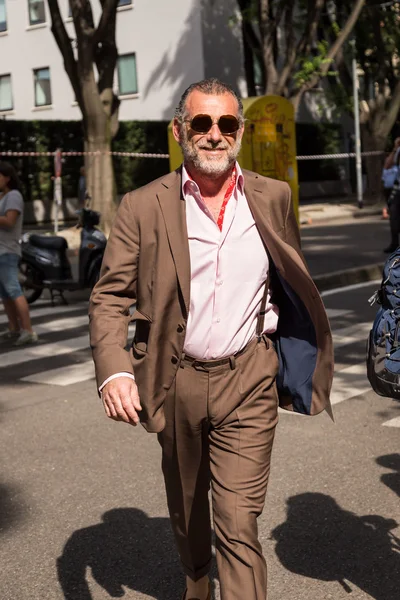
(351, 334)
(65, 375)
(49, 310)
(63, 324)
(392, 423)
(349, 382)
(338, 312)
(16, 357)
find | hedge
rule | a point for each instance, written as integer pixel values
(45, 136)
(133, 136)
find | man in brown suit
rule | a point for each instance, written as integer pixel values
(229, 324)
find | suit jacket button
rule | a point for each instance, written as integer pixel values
(180, 328)
(174, 360)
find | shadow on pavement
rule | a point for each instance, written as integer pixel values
(392, 480)
(10, 510)
(127, 549)
(322, 541)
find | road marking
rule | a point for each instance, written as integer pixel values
(351, 334)
(349, 382)
(348, 288)
(392, 423)
(50, 350)
(63, 324)
(64, 375)
(53, 350)
(338, 312)
(48, 310)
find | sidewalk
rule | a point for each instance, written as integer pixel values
(343, 244)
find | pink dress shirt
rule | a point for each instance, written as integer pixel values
(228, 273)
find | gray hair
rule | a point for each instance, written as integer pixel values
(211, 86)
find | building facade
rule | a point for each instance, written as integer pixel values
(163, 47)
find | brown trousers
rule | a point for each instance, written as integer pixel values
(220, 428)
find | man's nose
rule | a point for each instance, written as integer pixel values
(214, 134)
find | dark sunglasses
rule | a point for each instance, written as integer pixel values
(227, 124)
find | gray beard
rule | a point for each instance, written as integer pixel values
(211, 168)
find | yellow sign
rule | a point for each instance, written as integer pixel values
(269, 141)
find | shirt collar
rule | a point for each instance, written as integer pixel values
(188, 182)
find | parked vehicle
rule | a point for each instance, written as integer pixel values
(44, 262)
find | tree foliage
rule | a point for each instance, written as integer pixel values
(282, 39)
(376, 43)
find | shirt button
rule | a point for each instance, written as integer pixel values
(220, 282)
(213, 356)
(218, 320)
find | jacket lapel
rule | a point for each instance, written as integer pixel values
(259, 198)
(174, 212)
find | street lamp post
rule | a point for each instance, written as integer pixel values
(357, 131)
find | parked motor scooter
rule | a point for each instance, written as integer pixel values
(44, 262)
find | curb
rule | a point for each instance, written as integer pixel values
(338, 279)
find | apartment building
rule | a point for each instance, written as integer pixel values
(163, 47)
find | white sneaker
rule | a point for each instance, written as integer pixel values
(8, 335)
(26, 337)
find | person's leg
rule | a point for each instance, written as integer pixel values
(6, 267)
(22, 312)
(185, 465)
(385, 209)
(11, 312)
(17, 304)
(394, 216)
(240, 454)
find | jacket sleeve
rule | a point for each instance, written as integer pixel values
(114, 294)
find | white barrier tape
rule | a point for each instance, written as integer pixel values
(343, 155)
(130, 154)
(147, 155)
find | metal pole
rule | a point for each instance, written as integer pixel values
(57, 197)
(357, 130)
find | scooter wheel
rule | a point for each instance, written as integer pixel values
(31, 282)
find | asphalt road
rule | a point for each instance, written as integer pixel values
(82, 507)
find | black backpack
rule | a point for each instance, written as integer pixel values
(383, 349)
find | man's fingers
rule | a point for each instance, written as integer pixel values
(129, 405)
(120, 410)
(121, 400)
(108, 412)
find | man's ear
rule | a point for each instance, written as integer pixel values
(176, 128)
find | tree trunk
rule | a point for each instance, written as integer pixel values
(100, 178)
(372, 142)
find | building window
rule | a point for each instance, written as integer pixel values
(42, 87)
(37, 12)
(127, 78)
(6, 100)
(3, 16)
(124, 2)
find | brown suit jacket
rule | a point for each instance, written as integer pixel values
(147, 263)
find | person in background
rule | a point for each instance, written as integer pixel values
(16, 307)
(82, 188)
(389, 176)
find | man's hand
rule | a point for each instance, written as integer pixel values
(121, 400)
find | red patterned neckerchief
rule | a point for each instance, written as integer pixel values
(226, 199)
(227, 196)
